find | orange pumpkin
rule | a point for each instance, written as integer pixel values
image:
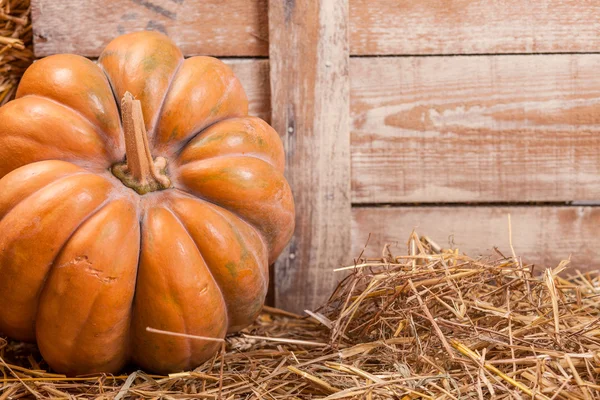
(165, 214)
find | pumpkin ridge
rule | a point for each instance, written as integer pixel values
(219, 211)
(231, 155)
(26, 136)
(183, 144)
(76, 260)
(107, 201)
(114, 93)
(199, 196)
(58, 179)
(182, 318)
(106, 140)
(171, 290)
(193, 74)
(78, 83)
(176, 216)
(42, 285)
(268, 189)
(137, 271)
(158, 221)
(256, 134)
(177, 177)
(78, 163)
(58, 254)
(152, 134)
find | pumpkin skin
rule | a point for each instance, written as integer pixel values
(86, 263)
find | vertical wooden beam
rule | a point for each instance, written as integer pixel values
(309, 56)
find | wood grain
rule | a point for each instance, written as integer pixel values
(208, 27)
(475, 129)
(254, 76)
(386, 27)
(377, 27)
(310, 101)
(541, 235)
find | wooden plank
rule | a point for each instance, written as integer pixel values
(475, 129)
(254, 76)
(210, 27)
(386, 27)
(377, 27)
(541, 235)
(309, 80)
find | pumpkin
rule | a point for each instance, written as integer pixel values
(135, 193)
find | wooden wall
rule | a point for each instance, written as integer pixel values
(440, 115)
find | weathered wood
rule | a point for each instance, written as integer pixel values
(473, 26)
(541, 235)
(310, 101)
(211, 27)
(254, 76)
(377, 27)
(475, 128)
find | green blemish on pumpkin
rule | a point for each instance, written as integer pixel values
(149, 64)
(215, 109)
(104, 120)
(173, 300)
(232, 268)
(219, 137)
(174, 133)
(246, 256)
(258, 304)
(242, 243)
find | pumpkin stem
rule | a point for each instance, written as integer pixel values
(140, 172)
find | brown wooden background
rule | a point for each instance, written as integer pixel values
(444, 115)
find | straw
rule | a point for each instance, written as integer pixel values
(437, 324)
(16, 52)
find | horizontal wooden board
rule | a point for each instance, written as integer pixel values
(475, 129)
(254, 76)
(473, 26)
(212, 27)
(541, 235)
(377, 27)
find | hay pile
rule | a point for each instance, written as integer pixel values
(15, 45)
(432, 324)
